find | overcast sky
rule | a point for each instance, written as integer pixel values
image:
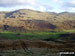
(40, 5)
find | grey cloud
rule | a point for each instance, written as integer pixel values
(9, 3)
(69, 4)
(32, 4)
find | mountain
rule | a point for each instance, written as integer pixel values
(26, 19)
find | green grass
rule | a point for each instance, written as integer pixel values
(30, 35)
(70, 31)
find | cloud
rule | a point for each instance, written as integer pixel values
(58, 1)
(70, 4)
(9, 3)
(41, 5)
(28, 4)
(47, 7)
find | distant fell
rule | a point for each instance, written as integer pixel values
(27, 19)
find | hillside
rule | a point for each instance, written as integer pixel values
(26, 19)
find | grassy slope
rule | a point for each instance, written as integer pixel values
(30, 35)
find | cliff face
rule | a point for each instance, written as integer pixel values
(26, 19)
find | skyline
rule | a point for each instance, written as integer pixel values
(40, 5)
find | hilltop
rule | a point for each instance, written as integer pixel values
(26, 19)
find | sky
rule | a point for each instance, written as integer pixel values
(40, 5)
